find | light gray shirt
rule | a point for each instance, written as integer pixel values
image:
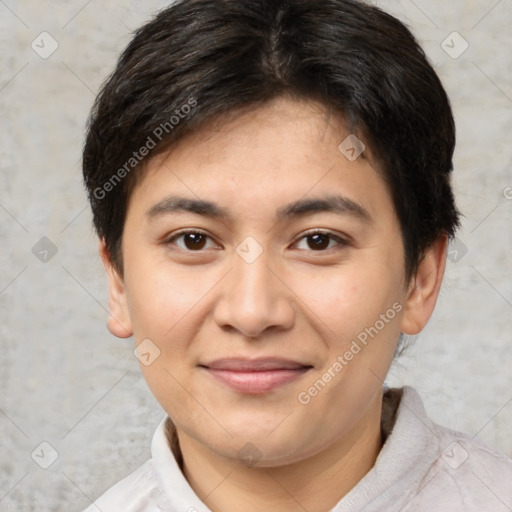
(422, 467)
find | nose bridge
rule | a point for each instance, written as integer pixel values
(251, 280)
(254, 299)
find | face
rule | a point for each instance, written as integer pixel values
(264, 282)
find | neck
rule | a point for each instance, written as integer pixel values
(315, 484)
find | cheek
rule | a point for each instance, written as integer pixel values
(345, 301)
(161, 298)
(164, 303)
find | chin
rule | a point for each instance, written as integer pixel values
(258, 454)
(255, 447)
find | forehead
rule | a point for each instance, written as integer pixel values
(282, 151)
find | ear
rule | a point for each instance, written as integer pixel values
(119, 323)
(424, 287)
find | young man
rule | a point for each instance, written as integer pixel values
(270, 182)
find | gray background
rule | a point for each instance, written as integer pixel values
(66, 381)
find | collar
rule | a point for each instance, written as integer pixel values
(406, 429)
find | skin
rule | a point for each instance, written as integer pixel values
(294, 301)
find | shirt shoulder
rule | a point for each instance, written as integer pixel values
(425, 467)
(465, 475)
(138, 492)
(468, 476)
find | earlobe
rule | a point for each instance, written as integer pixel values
(119, 323)
(424, 288)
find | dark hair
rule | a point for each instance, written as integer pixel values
(200, 60)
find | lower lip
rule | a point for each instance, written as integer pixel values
(256, 382)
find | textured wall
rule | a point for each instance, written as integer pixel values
(66, 381)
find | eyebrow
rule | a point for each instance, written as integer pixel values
(329, 203)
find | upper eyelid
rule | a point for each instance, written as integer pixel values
(320, 231)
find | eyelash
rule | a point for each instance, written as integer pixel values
(341, 242)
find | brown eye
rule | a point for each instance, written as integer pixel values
(192, 241)
(322, 241)
(318, 241)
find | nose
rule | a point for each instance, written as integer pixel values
(254, 298)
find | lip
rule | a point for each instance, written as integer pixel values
(255, 376)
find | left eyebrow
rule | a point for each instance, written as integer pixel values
(330, 203)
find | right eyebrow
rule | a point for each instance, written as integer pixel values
(176, 204)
